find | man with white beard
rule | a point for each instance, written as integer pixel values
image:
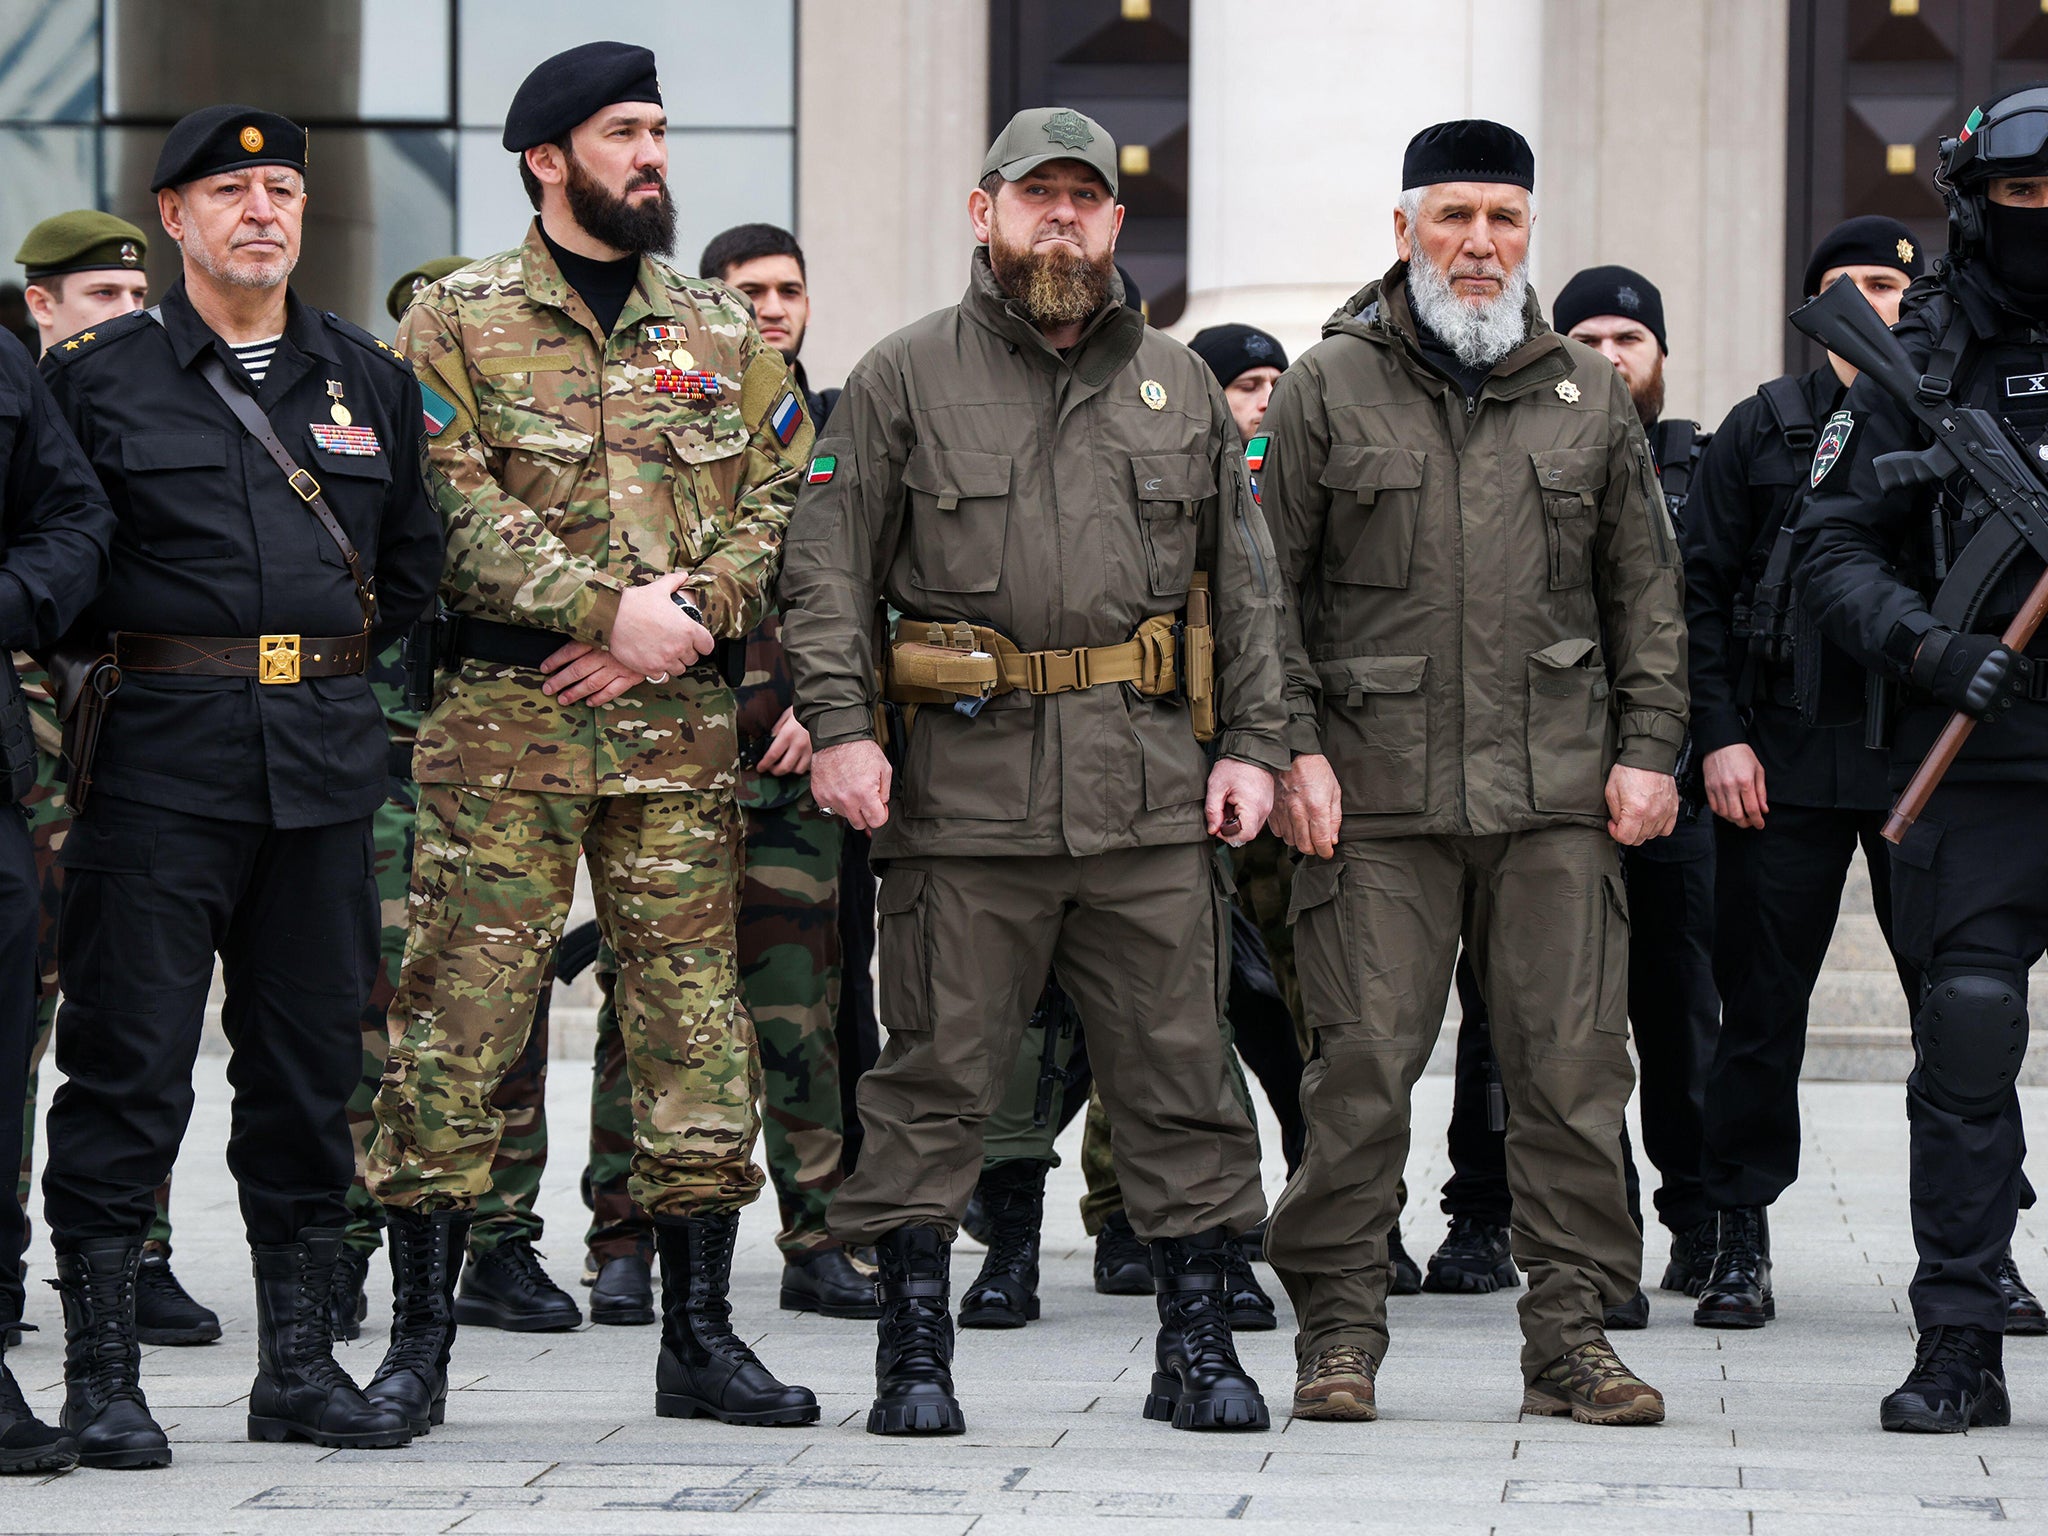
(1486, 695)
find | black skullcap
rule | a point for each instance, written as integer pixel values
(227, 138)
(1233, 349)
(1610, 291)
(1870, 241)
(577, 84)
(1471, 149)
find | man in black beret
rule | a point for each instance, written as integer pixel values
(262, 459)
(1793, 801)
(1486, 695)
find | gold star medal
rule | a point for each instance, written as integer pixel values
(338, 411)
(1153, 393)
(1567, 391)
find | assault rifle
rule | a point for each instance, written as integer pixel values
(1969, 440)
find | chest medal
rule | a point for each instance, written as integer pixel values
(1833, 439)
(687, 383)
(1153, 393)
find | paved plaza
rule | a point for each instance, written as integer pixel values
(1768, 1433)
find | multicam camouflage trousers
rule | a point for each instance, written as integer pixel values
(493, 875)
(49, 818)
(789, 977)
(507, 1210)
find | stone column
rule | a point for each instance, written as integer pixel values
(1297, 120)
(892, 122)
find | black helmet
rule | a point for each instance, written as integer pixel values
(2007, 138)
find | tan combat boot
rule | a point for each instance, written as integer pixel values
(1337, 1384)
(1590, 1383)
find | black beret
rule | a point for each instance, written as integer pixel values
(1870, 241)
(1610, 291)
(575, 85)
(1233, 349)
(216, 139)
(1471, 149)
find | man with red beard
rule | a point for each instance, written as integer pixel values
(1054, 499)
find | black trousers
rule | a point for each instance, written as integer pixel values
(150, 897)
(1777, 897)
(1672, 1008)
(18, 914)
(1969, 897)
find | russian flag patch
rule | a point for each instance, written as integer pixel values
(438, 412)
(1255, 453)
(784, 418)
(822, 469)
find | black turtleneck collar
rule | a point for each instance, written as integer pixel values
(603, 285)
(1446, 362)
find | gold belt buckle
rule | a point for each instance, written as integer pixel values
(277, 659)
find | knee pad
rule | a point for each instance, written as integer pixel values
(1971, 1032)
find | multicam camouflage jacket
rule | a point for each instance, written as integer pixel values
(570, 467)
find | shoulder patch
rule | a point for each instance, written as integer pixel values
(786, 417)
(439, 413)
(96, 339)
(1255, 453)
(366, 340)
(763, 387)
(1834, 438)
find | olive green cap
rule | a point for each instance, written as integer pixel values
(82, 241)
(402, 291)
(1039, 134)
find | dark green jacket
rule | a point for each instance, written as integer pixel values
(1485, 608)
(977, 474)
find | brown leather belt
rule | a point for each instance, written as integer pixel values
(267, 658)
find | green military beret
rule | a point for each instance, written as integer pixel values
(410, 283)
(83, 241)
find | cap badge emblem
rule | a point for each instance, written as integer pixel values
(1628, 299)
(1905, 249)
(1153, 393)
(130, 256)
(1067, 127)
(1567, 391)
(1257, 346)
(252, 138)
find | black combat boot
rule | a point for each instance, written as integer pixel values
(165, 1312)
(347, 1303)
(1404, 1274)
(914, 1344)
(1244, 1300)
(2023, 1311)
(1692, 1258)
(1631, 1316)
(1123, 1267)
(1957, 1383)
(1005, 1293)
(705, 1368)
(622, 1290)
(505, 1287)
(826, 1283)
(426, 1258)
(104, 1408)
(1199, 1383)
(1473, 1261)
(27, 1444)
(300, 1393)
(1738, 1293)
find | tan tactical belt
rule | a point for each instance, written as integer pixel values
(932, 662)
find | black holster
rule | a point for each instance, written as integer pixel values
(84, 678)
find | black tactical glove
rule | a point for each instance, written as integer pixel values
(1977, 674)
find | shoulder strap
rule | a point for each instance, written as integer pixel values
(1786, 402)
(1938, 381)
(257, 425)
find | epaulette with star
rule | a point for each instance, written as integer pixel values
(95, 339)
(369, 341)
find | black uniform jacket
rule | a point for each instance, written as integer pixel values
(212, 541)
(1869, 576)
(55, 525)
(1747, 474)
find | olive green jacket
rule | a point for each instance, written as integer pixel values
(971, 472)
(1485, 607)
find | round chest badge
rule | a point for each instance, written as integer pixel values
(252, 138)
(1153, 393)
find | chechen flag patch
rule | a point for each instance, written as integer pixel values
(822, 469)
(438, 412)
(784, 418)
(1255, 454)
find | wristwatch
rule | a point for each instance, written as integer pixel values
(690, 609)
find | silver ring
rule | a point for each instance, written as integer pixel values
(657, 677)
(828, 810)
